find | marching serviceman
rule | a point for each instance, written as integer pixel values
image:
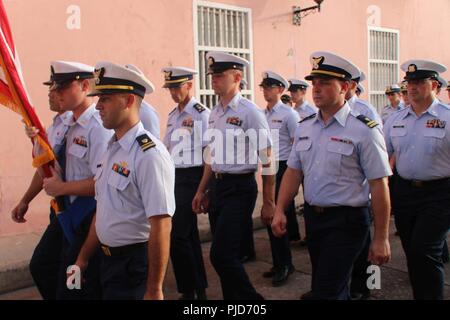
(184, 139)
(134, 188)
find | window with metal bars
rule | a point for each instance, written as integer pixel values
(225, 28)
(384, 64)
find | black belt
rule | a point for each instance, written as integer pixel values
(325, 210)
(120, 251)
(190, 169)
(230, 176)
(425, 184)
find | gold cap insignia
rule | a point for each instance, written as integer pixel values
(316, 62)
(211, 61)
(98, 73)
(265, 75)
(167, 75)
(412, 68)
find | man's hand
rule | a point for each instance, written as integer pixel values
(200, 203)
(380, 252)
(279, 224)
(53, 186)
(31, 132)
(18, 213)
(267, 212)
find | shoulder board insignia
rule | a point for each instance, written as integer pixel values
(368, 122)
(172, 111)
(199, 108)
(308, 118)
(145, 142)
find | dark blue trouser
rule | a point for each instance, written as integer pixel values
(235, 198)
(185, 248)
(46, 260)
(124, 277)
(90, 288)
(422, 218)
(280, 247)
(335, 239)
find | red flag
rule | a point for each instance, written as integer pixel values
(14, 96)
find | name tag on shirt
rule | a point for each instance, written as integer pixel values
(436, 124)
(398, 127)
(277, 121)
(120, 169)
(303, 138)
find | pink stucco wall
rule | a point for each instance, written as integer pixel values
(156, 33)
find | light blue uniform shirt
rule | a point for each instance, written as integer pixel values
(86, 144)
(235, 135)
(132, 185)
(184, 134)
(149, 118)
(389, 110)
(365, 108)
(305, 110)
(338, 159)
(283, 121)
(421, 145)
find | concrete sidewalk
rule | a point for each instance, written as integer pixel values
(17, 250)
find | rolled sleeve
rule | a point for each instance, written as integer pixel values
(156, 182)
(374, 156)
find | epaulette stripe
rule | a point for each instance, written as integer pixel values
(368, 122)
(145, 142)
(308, 117)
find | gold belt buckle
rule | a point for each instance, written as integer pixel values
(417, 183)
(319, 210)
(218, 175)
(106, 251)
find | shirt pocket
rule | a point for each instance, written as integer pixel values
(117, 186)
(77, 151)
(303, 150)
(338, 154)
(434, 139)
(397, 135)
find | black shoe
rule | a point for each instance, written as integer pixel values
(270, 273)
(201, 294)
(246, 259)
(187, 296)
(282, 275)
(359, 295)
(307, 296)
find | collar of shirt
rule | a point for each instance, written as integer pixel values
(340, 116)
(431, 110)
(233, 103)
(127, 141)
(352, 100)
(189, 108)
(302, 106)
(275, 108)
(83, 120)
